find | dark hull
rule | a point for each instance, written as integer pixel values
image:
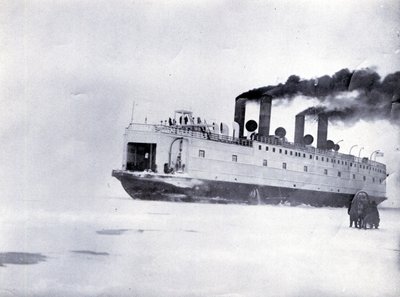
(172, 188)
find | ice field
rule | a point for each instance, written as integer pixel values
(122, 247)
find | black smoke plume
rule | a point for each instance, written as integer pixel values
(335, 114)
(347, 95)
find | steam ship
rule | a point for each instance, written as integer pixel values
(188, 159)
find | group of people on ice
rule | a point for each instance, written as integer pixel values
(363, 212)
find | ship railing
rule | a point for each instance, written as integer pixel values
(229, 139)
(179, 131)
(186, 131)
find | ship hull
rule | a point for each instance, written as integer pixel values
(150, 186)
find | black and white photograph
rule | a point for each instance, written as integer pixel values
(199, 148)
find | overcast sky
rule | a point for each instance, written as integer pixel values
(70, 71)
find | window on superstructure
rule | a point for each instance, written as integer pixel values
(280, 151)
(351, 164)
(291, 153)
(316, 158)
(234, 158)
(354, 176)
(327, 159)
(285, 152)
(265, 162)
(345, 163)
(339, 174)
(322, 158)
(364, 178)
(310, 156)
(259, 147)
(304, 155)
(326, 171)
(284, 165)
(373, 179)
(380, 180)
(305, 169)
(266, 148)
(273, 149)
(202, 154)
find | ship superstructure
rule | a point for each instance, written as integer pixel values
(187, 159)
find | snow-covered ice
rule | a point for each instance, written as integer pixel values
(124, 247)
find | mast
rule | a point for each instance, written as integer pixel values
(133, 109)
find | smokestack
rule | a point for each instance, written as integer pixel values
(240, 112)
(395, 110)
(265, 115)
(299, 129)
(322, 134)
